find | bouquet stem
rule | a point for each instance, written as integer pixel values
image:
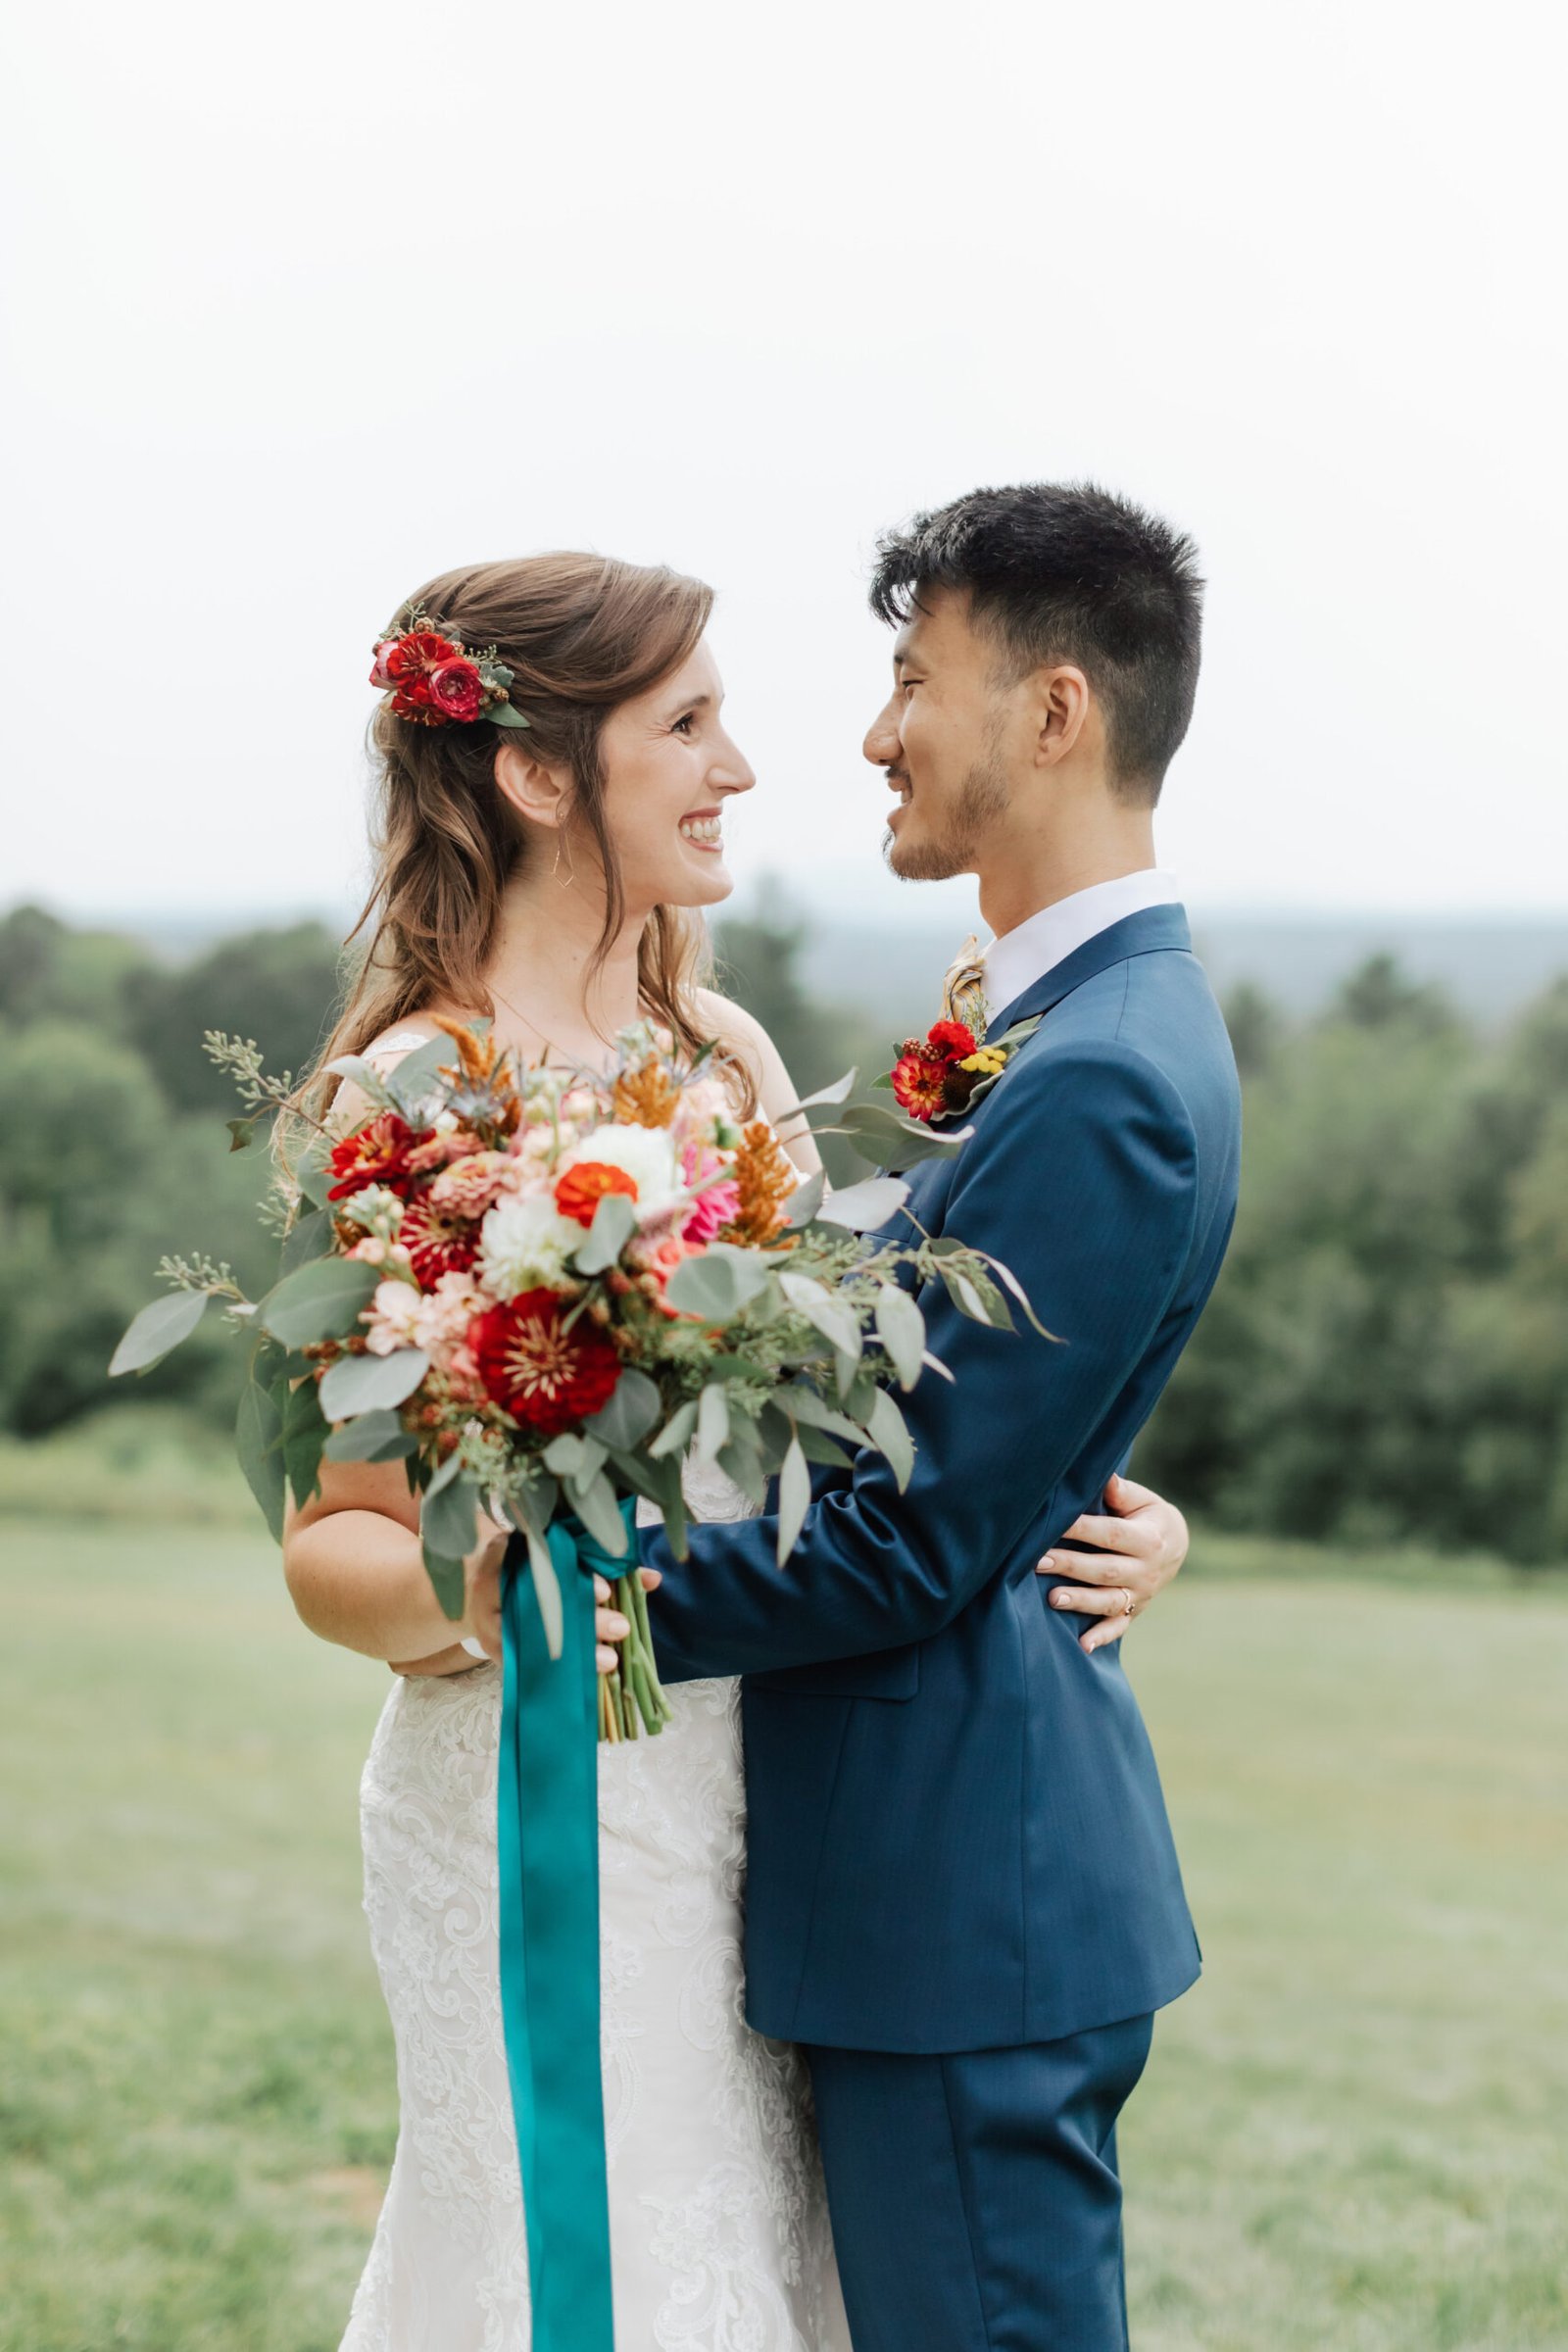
(635, 1703)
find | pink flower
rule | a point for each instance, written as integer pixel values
(711, 1211)
(471, 1185)
(392, 1318)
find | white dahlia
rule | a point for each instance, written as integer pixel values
(525, 1244)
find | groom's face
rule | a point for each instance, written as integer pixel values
(942, 738)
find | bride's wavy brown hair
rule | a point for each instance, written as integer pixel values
(581, 635)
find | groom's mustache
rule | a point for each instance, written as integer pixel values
(899, 779)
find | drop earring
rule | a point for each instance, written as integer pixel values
(562, 842)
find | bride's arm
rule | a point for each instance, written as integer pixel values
(776, 1092)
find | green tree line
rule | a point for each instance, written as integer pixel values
(1385, 1356)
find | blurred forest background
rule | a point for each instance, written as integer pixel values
(1385, 1360)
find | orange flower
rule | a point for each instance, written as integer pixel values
(580, 1190)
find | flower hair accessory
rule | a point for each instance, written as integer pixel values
(435, 681)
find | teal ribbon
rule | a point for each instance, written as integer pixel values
(547, 1838)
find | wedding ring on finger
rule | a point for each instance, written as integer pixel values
(1126, 1600)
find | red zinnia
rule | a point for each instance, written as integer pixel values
(455, 688)
(545, 1376)
(954, 1041)
(377, 1155)
(918, 1082)
(437, 1244)
(580, 1190)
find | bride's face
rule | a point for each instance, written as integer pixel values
(670, 771)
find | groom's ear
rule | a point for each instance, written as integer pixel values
(1060, 711)
(539, 794)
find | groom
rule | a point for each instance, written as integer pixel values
(963, 1900)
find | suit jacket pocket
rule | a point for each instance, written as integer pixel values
(883, 1674)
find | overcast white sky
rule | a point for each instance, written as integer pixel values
(311, 302)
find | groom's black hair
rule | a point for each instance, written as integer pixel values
(1063, 571)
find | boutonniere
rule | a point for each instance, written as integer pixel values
(945, 1073)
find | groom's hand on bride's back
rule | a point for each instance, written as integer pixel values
(1138, 1546)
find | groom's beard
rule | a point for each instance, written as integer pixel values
(982, 798)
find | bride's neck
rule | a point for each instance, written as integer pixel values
(541, 968)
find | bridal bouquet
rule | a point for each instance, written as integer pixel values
(539, 1289)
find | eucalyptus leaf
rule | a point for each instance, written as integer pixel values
(305, 1435)
(719, 1284)
(865, 1207)
(312, 1173)
(447, 1580)
(633, 1410)
(807, 1198)
(322, 1300)
(360, 1073)
(966, 1298)
(807, 1405)
(257, 1441)
(241, 1134)
(309, 1238)
(596, 1507)
(547, 1590)
(839, 1092)
(614, 1222)
(505, 714)
(155, 1330)
(818, 1447)
(448, 1519)
(377, 1437)
(888, 1136)
(676, 1433)
(368, 1384)
(712, 1423)
(794, 1499)
(745, 1471)
(822, 1309)
(889, 1435)
(901, 1328)
(413, 1083)
(934, 1363)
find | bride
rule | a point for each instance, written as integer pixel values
(541, 877)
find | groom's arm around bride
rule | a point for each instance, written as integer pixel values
(964, 1895)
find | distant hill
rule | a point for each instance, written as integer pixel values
(1488, 965)
(1490, 968)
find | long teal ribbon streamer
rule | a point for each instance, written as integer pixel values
(548, 1835)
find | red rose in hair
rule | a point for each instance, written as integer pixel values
(580, 1190)
(377, 1155)
(421, 649)
(456, 690)
(953, 1041)
(381, 676)
(918, 1081)
(543, 1375)
(437, 1244)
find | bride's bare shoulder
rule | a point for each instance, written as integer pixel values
(776, 1092)
(383, 1053)
(741, 1031)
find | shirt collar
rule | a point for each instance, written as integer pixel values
(1024, 955)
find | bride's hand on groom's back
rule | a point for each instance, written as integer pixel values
(1138, 1549)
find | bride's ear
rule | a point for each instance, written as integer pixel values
(540, 795)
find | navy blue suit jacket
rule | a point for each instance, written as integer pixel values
(958, 1838)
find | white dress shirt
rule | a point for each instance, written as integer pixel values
(1037, 945)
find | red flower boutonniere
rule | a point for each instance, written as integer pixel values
(945, 1073)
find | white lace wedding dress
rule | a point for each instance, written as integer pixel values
(719, 2219)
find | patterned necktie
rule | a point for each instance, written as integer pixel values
(963, 991)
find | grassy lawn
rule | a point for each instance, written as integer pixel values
(1350, 2137)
